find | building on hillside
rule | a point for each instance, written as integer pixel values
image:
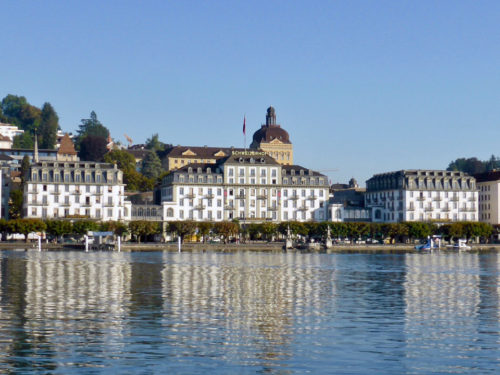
(179, 156)
(246, 185)
(5, 142)
(91, 190)
(139, 152)
(421, 195)
(347, 203)
(10, 131)
(273, 140)
(488, 185)
(66, 150)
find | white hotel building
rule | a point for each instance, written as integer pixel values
(249, 186)
(69, 189)
(421, 195)
(488, 185)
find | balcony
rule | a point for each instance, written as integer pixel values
(411, 208)
(229, 208)
(76, 192)
(446, 209)
(428, 209)
(262, 197)
(471, 199)
(454, 199)
(294, 197)
(421, 199)
(312, 197)
(273, 208)
(240, 196)
(209, 196)
(56, 192)
(97, 193)
(200, 207)
(302, 208)
(437, 199)
(189, 196)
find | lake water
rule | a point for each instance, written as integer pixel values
(245, 313)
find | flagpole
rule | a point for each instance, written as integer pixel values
(244, 132)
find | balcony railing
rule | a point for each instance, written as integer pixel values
(230, 208)
(294, 197)
(240, 196)
(200, 207)
(471, 199)
(421, 199)
(437, 199)
(454, 199)
(209, 196)
(446, 209)
(262, 197)
(302, 208)
(272, 208)
(428, 208)
(312, 197)
(189, 196)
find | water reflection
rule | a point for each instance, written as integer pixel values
(256, 312)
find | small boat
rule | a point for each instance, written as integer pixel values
(432, 243)
(460, 245)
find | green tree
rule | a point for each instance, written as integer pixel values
(16, 199)
(226, 229)
(140, 228)
(154, 144)
(49, 124)
(268, 230)
(82, 227)
(25, 141)
(25, 226)
(417, 229)
(25, 169)
(151, 165)
(204, 229)
(58, 228)
(183, 228)
(90, 126)
(18, 111)
(134, 181)
(117, 227)
(93, 148)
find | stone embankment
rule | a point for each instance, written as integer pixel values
(234, 247)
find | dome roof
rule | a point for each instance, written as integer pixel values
(269, 133)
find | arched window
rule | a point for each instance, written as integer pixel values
(170, 212)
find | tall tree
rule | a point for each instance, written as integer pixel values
(93, 148)
(91, 126)
(154, 143)
(151, 165)
(49, 124)
(18, 111)
(25, 140)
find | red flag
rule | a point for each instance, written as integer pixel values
(244, 125)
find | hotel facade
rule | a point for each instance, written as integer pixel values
(422, 195)
(75, 190)
(247, 185)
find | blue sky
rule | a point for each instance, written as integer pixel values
(362, 86)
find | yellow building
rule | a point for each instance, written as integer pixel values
(273, 140)
(179, 156)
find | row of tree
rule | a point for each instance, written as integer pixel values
(140, 229)
(474, 165)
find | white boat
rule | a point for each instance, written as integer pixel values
(460, 245)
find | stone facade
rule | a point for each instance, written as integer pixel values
(421, 195)
(489, 196)
(249, 186)
(75, 189)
